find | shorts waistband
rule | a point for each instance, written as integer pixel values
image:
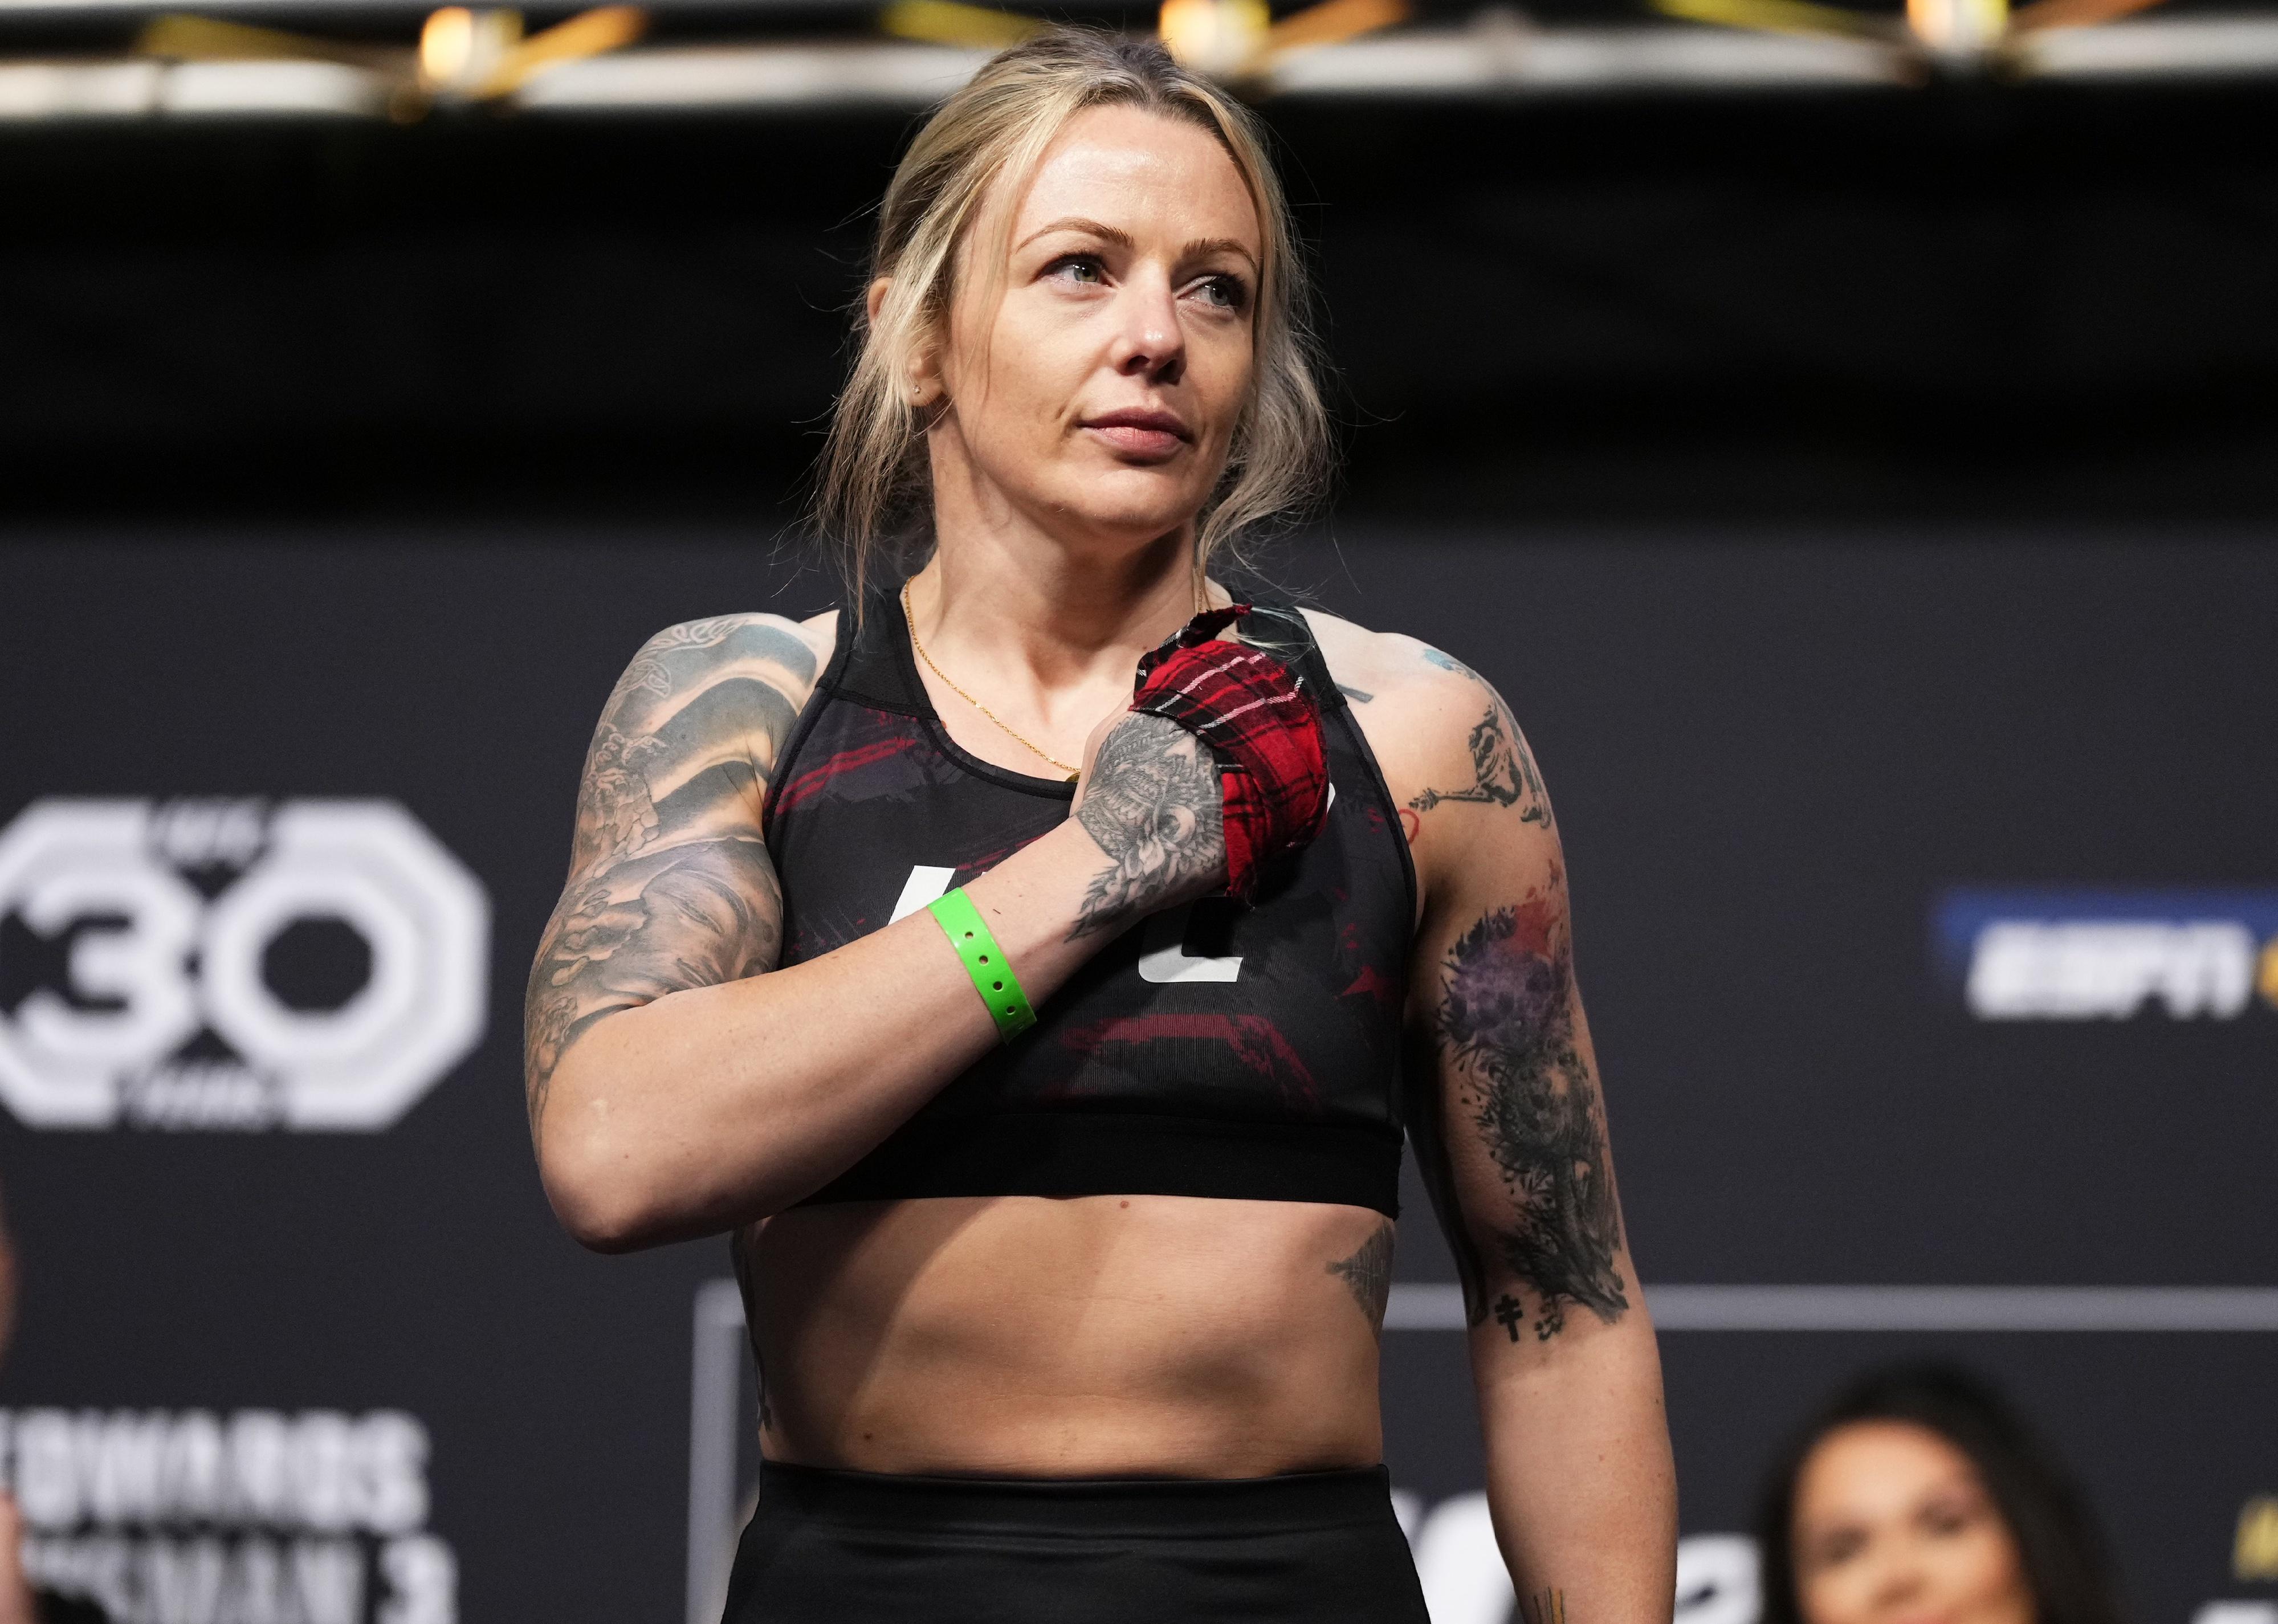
(1084, 1507)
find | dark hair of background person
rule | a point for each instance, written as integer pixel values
(2067, 1563)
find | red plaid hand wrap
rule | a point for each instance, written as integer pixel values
(1255, 714)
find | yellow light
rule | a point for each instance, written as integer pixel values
(507, 65)
(951, 22)
(1772, 16)
(2255, 1557)
(1215, 36)
(446, 45)
(1332, 21)
(1958, 25)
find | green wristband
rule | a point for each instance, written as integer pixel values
(985, 961)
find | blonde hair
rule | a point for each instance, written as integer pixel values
(875, 490)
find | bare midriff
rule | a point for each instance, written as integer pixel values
(1091, 1337)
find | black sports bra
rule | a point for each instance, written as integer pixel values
(1211, 1050)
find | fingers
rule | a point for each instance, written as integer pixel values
(1262, 726)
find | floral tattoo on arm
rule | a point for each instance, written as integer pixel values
(1503, 1032)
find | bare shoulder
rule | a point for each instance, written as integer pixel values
(784, 653)
(1441, 733)
(819, 631)
(1377, 667)
(693, 730)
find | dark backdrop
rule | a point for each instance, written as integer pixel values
(1771, 758)
(1977, 300)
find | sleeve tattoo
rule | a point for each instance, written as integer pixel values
(1503, 1036)
(670, 886)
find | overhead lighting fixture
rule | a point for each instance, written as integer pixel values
(1954, 33)
(463, 54)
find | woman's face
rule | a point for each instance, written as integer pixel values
(1097, 398)
(1893, 1526)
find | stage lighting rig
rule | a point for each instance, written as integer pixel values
(1931, 35)
(463, 54)
(401, 58)
(1227, 39)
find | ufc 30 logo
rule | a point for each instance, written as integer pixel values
(148, 941)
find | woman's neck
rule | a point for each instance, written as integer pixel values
(1039, 615)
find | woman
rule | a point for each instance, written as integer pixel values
(1918, 1493)
(1081, 1321)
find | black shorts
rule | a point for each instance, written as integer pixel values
(830, 1547)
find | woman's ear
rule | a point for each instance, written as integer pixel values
(925, 379)
(922, 382)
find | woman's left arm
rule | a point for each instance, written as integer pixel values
(1507, 1118)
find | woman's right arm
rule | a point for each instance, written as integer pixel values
(679, 1084)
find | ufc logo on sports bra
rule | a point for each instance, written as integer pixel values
(1163, 956)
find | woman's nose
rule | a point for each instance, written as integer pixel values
(1899, 1580)
(1148, 341)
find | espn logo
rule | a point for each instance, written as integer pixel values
(2048, 955)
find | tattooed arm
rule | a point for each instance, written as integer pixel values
(680, 1084)
(670, 886)
(1508, 1124)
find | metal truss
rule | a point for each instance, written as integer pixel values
(1498, 55)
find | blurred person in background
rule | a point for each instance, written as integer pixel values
(1920, 1496)
(20, 1601)
(17, 1605)
(1063, 1205)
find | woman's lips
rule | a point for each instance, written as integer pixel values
(1139, 442)
(1149, 436)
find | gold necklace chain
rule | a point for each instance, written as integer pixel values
(968, 698)
(911, 620)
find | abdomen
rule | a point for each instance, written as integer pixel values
(1092, 1337)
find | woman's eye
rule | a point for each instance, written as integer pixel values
(1833, 1550)
(1225, 292)
(1080, 268)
